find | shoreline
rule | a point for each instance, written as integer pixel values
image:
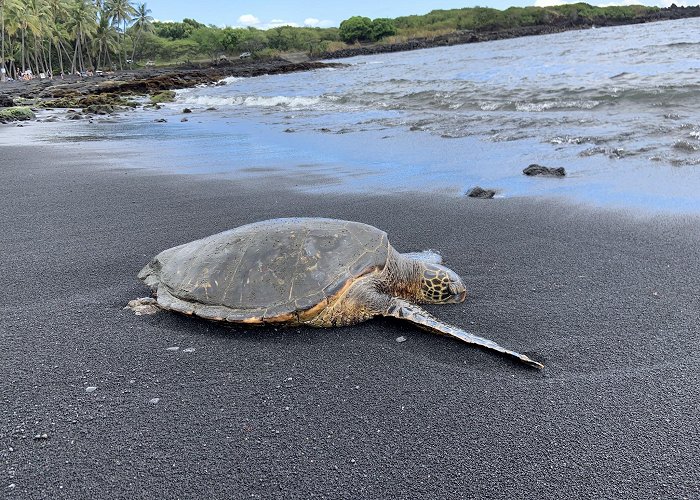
(79, 92)
(603, 298)
(467, 36)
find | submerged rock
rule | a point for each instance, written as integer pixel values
(187, 110)
(479, 192)
(536, 169)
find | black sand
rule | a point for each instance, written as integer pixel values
(608, 301)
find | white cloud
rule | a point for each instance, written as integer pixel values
(312, 22)
(248, 20)
(253, 21)
(276, 23)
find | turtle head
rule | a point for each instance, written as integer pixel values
(440, 285)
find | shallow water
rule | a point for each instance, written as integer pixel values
(617, 107)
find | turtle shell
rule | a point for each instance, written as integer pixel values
(270, 271)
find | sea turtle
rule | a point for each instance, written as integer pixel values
(310, 271)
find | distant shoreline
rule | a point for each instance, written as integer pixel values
(463, 37)
(81, 93)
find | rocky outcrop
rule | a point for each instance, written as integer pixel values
(15, 114)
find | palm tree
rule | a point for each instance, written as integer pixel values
(83, 24)
(143, 23)
(12, 11)
(39, 18)
(106, 40)
(121, 12)
(58, 34)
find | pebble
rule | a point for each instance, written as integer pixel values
(41, 436)
(172, 348)
(92, 388)
(400, 339)
(154, 401)
(189, 349)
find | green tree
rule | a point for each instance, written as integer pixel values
(254, 40)
(209, 40)
(382, 27)
(356, 29)
(231, 37)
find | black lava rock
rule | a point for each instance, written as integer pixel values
(6, 101)
(536, 169)
(479, 192)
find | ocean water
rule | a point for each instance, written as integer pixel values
(618, 108)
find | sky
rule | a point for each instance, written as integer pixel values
(324, 13)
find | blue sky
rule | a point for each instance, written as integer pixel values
(265, 14)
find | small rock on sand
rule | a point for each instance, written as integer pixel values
(479, 192)
(92, 388)
(400, 339)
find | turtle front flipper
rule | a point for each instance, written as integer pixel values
(402, 309)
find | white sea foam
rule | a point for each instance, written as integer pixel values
(293, 102)
(230, 79)
(548, 105)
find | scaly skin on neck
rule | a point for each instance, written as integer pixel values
(371, 295)
(401, 277)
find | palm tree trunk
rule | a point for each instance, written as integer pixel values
(3, 71)
(24, 66)
(136, 41)
(75, 55)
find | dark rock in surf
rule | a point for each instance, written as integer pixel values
(6, 101)
(99, 109)
(539, 170)
(479, 192)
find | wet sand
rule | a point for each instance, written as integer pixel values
(607, 300)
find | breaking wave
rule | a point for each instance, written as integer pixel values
(295, 102)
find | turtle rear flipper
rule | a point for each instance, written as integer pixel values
(402, 309)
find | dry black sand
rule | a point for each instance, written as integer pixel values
(608, 301)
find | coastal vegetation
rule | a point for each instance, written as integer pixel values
(82, 36)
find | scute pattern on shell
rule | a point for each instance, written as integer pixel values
(269, 269)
